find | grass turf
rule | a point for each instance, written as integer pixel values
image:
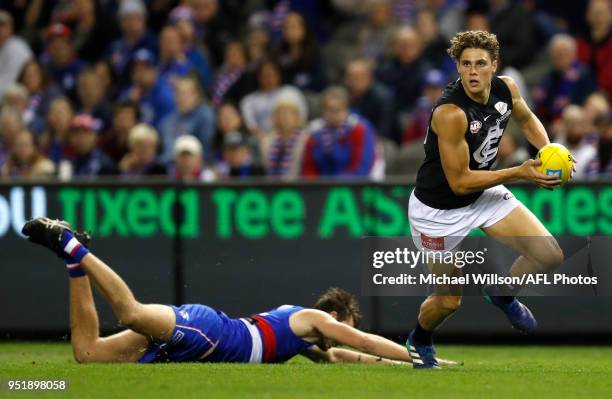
(499, 372)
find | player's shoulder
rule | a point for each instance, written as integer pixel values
(449, 120)
(449, 113)
(510, 84)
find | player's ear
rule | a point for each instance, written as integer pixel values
(494, 64)
(334, 314)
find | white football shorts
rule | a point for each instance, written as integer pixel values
(444, 229)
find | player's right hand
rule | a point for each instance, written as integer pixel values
(529, 172)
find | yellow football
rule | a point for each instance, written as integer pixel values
(556, 160)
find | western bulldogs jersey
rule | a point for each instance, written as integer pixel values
(485, 126)
(204, 334)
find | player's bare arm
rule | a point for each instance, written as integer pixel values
(341, 355)
(532, 128)
(450, 123)
(312, 323)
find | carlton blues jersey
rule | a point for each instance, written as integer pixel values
(486, 124)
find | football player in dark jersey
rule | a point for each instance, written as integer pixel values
(456, 191)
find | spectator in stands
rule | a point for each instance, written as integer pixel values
(54, 142)
(374, 37)
(11, 124)
(173, 62)
(434, 44)
(182, 17)
(257, 107)
(600, 166)
(115, 142)
(238, 157)
(25, 161)
(188, 161)
(368, 37)
(228, 120)
(283, 150)
(371, 99)
(63, 63)
(88, 159)
(232, 81)
(298, 55)
(213, 28)
(93, 100)
(404, 72)
(595, 48)
(14, 52)
(133, 23)
(140, 160)
(573, 134)
(16, 96)
(341, 143)
(40, 88)
(152, 93)
(595, 106)
(193, 116)
(449, 14)
(568, 82)
(258, 42)
(476, 19)
(417, 126)
(92, 31)
(515, 30)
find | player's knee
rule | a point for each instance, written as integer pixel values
(82, 354)
(554, 257)
(449, 303)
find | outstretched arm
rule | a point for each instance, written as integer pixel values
(371, 348)
(343, 334)
(341, 355)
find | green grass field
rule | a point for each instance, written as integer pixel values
(488, 372)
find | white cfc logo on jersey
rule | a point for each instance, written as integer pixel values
(487, 151)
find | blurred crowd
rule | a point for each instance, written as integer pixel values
(210, 89)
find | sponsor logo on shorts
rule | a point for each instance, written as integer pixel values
(507, 196)
(475, 126)
(433, 243)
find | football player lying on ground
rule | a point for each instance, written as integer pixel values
(161, 333)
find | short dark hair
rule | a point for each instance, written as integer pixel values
(340, 301)
(127, 104)
(474, 39)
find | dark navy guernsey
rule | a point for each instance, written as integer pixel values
(485, 125)
(208, 335)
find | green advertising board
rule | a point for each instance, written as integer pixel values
(286, 212)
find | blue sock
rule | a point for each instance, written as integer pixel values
(422, 336)
(500, 294)
(74, 270)
(76, 252)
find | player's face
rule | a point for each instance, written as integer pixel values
(476, 70)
